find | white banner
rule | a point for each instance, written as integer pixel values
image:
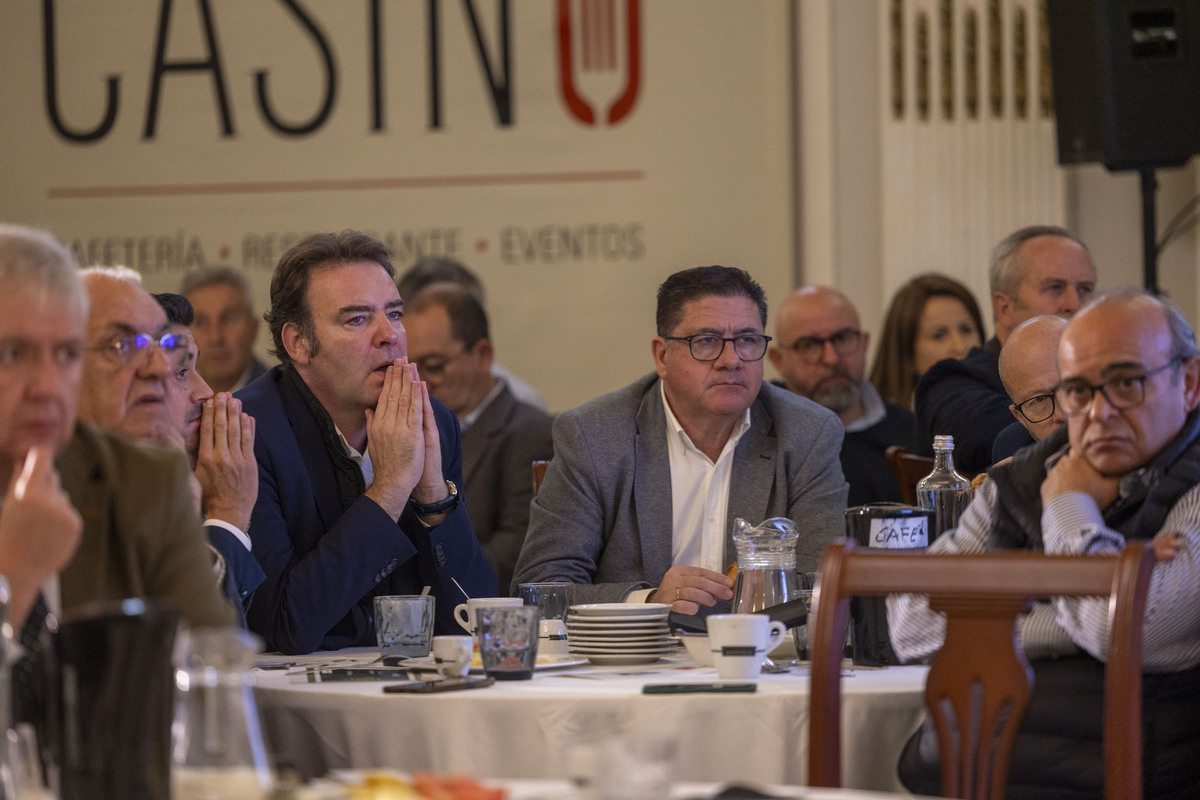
(571, 152)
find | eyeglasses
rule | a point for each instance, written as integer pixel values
(434, 365)
(811, 348)
(706, 347)
(1121, 391)
(1038, 408)
(130, 346)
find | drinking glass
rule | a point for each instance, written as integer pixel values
(552, 598)
(508, 640)
(404, 624)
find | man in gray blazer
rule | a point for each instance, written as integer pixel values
(450, 341)
(639, 501)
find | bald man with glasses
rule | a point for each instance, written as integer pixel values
(1125, 466)
(1029, 372)
(639, 501)
(820, 351)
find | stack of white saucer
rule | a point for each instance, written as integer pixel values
(619, 633)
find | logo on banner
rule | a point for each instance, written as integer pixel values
(590, 41)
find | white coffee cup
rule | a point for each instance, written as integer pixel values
(740, 642)
(452, 655)
(552, 638)
(465, 612)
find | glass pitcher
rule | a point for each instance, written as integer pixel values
(217, 750)
(766, 562)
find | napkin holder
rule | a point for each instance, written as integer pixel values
(882, 526)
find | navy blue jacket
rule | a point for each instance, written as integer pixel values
(243, 574)
(966, 400)
(326, 557)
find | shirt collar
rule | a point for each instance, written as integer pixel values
(677, 429)
(467, 421)
(874, 410)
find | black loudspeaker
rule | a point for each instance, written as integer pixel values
(1126, 79)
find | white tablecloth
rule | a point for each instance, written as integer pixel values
(529, 729)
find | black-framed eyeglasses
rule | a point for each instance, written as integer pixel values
(1120, 391)
(1038, 408)
(130, 346)
(811, 348)
(708, 347)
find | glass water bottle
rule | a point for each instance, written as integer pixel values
(944, 491)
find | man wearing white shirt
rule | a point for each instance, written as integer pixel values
(639, 501)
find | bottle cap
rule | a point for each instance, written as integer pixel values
(943, 442)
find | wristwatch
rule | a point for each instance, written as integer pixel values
(439, 507)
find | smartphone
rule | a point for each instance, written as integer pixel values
(432, 687)
(694, 688)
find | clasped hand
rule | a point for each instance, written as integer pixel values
(225, 464)
(402, 437)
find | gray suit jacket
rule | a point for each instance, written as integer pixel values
(498, 451)
(603, 517)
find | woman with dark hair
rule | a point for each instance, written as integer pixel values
(931, 317)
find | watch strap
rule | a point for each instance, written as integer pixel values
(440, 506)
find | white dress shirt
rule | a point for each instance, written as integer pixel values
(699, 498)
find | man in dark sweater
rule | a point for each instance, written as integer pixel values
(1036, 270)
(822, 354)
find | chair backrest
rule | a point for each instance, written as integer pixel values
(539, 474)
(908, 469)
(979, 683)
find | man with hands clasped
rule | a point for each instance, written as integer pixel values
(219, 440)
(359, 470)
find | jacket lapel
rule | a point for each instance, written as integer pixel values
(652, 483)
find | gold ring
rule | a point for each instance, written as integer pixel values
(676, 592)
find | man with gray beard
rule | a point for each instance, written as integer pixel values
(822, 354)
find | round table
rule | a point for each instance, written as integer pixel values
(533, 729)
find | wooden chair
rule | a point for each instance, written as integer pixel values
(908, 469)
(979, 677)
(539, 474)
